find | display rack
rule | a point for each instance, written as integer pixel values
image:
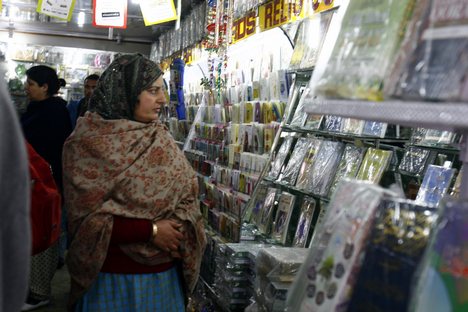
(441, 116)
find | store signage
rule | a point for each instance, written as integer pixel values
(188, 56)
(322, 5)
(157, 11)
(244, 27)
(279, 12)
(110, 13)
(61, 9)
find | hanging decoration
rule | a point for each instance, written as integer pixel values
(110, 13)
(157, 11)
(61, 9)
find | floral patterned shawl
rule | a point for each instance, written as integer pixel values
(130, 169)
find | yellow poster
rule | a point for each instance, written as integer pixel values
(279, 12)
(244, 27)
(157, 11)
(61, 9)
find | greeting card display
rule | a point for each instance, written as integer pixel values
(414, 161)
(307, 164)
(281, 156)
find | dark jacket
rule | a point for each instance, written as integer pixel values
(46, 125)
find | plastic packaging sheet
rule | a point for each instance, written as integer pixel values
(325, 278)
(304, 225)
(435, 185)
(415, 161)
(275, 271)
(349, 165)
(434, 59)
(396, 245)
(307, 163)
(373, 165)
(285, 209)
(300, 151)
(324, 167)
(368, 40)
(281, 156)
(442, 283)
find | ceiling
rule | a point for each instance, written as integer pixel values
(21, 16)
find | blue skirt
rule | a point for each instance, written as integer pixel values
(111, 292)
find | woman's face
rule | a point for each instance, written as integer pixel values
(34, 91)
(150, 102)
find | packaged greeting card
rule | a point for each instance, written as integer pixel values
(370, 35)
(291, 171)
(349, 165)
(280, 226)
(415, 161)
(281, 156)
(395, 249)
(268, 211)
(303, 178)
(304, 225)
(435, 185)
(324, 167)
(329, 271)
(373, 165)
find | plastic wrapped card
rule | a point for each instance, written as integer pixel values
(333, 123)
(353, 126)
(374, 128)
(300, 151)
(305, 171)
(325, 164)
(327, 275)
(435, 185)
(437, 137)
(442, 283)
(349, 165)
(369, 38)
(281, 156)
(374, 165)
(435, 68)
(304, 224)
(396, 246)
(280, 226)
(414, 161)
(268, 211)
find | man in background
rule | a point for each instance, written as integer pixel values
(77, 109)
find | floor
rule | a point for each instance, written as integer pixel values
(60, 289)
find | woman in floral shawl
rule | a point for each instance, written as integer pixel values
(131, 196)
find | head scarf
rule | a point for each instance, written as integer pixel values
(118, 88)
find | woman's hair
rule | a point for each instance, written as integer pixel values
(116, 94)
(44, 75)
(62, 82)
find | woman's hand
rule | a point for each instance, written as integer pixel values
(168, 237)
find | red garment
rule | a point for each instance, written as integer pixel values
(127, 231)
(46, 208)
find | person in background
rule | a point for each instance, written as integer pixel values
(132, 199)
(77, 109)
(15, 231)
(46, 124)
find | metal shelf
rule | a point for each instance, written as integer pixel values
(449, 116)
(443, 115)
